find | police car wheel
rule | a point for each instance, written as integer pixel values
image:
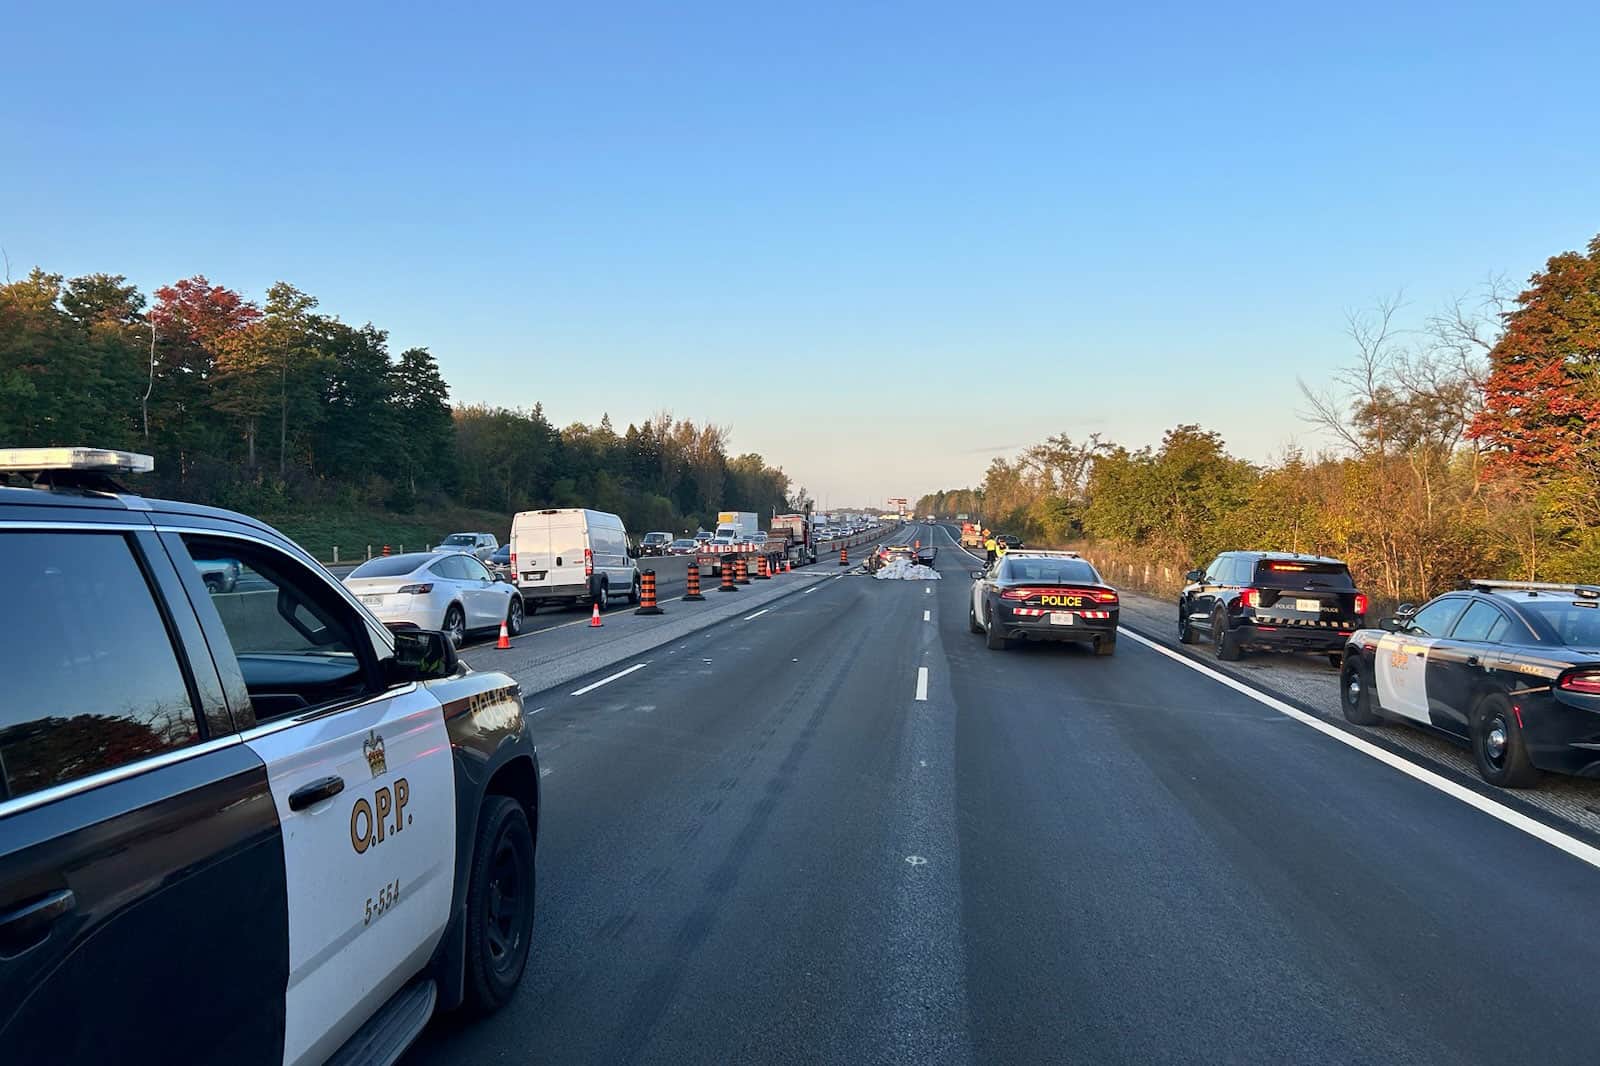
(1354, 697)
(1498, 746)
(1186, 633)
(514, 615)
(1224, 643)
(499, 905)
(455, 626)
(992, 637)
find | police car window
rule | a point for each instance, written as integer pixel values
(1481, 622)
(1435, 619)
(92, 677)
(296, 641)
(1214, 571)
(1574, 622)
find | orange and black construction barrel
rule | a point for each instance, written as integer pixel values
(693, 577)
(647, 594)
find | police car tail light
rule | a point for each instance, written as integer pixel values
(1583, 682)
(1361, 603)
(588, 562)
(416, 590)
(1250, 598)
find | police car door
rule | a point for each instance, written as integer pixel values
(1401, 665)
(362, 778)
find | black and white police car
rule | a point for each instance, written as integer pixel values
(244, 826)
(1510, 667)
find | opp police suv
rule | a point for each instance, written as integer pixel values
(241, 826)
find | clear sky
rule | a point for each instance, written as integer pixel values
(822, 224)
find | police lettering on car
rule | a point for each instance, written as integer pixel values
(240, 820)
(1511, 668)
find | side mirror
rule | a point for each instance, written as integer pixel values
(501, 575)
(1194, 576)
(421, 655)
(977, 575)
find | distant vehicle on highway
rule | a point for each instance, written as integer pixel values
(703, 535)
(216, 791)
(654, 543)
(1271, 600)
(572, 555)
(219, 575)
(1010, 540)
(499, 563)
(891, 553)
(480, 544)
(1510, 668)
(452, 592)
(1043, 595)
(738, 523)
(683, 546)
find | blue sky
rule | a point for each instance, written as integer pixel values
(823, 225)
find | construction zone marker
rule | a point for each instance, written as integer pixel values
(647, 594)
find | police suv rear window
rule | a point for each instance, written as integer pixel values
(1299, 573)
(92, 679)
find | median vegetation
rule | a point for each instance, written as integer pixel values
(1467, 447)
(281, 410)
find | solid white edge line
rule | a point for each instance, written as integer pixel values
(922, 683)
(758, 614)
(1515, 819)
(608, 680)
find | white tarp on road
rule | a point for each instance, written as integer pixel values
(905, 570)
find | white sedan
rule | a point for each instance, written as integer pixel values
(448, 591)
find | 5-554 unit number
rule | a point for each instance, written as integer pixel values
(378, 905)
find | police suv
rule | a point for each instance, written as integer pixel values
(1511, 668)
(241, 825)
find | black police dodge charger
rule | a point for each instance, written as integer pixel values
(1043, 595)
(1511, 668)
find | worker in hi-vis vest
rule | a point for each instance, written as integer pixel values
(989, 547)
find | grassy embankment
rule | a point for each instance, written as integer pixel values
(352, 530)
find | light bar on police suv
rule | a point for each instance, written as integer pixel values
(97, 460)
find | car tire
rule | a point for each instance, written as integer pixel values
(455, 625)
(499, 929)
(214, 584)
(1105, 645)
(1335, 659)
(514, 615)
(992, 639)
(1223, 642)
(635, 595)
(602, 595)
(1498, 745)
(1186, 633)
(972, 619)
(1355, 698)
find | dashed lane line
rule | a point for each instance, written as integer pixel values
(608, 680)
(922, 684)
(758, 614)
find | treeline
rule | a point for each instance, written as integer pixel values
(1467, 448)
(278, 406)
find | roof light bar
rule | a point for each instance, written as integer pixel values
(94, 460)
(1586, 591)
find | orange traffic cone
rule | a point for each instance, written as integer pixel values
(504, 643)
(594, 619)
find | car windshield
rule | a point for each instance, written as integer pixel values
(1575, 622)
(459, 540)
(683, 543)
(392, 566)
(1049, 571)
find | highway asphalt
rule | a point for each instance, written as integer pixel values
(762, 846)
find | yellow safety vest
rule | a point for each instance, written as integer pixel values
(989, 545)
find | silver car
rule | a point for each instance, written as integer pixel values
(480, 544)
(448, 591)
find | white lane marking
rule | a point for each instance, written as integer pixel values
(928, 590)
(809, 591)
(608, 680)
(927, 616)
(922, 683)
(536, 710)
(916, 860)
(544, 771)
(758, 614)
(1515, 819)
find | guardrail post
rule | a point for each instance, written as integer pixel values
(335, 555)
(369, 551)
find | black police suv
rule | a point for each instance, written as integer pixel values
(1511, 668)
(1271, 600)
(243, 824)
(1043, 595)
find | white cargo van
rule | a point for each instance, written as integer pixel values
(571, 555)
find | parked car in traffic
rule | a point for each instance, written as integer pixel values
(219, 575)
(572, 555)
(449, 591)
(1509, 668)
(480, 544)
(1010, 541)
(683, 546)
(703, 535)
(1279, 600)
(654, 543)
(499, 563)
